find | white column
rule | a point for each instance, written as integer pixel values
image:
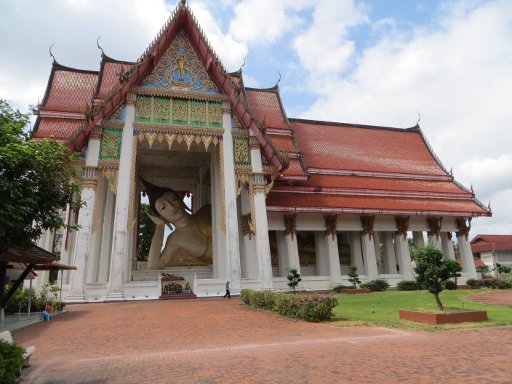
(218, 238)
(83, 246)
(435, 240)
(106, 237)
(282, 254)
(389, 253)
(370, 261)
(292, 252)
(447, 245)
(261, 222)
(232, 245)
(468, 264)
(334, 259)
(403, 257)
(356, 253)
(376, 244)
(121, 238)
(417, 238)
(322, 254)
(248, 258)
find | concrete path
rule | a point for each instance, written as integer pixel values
(221, 341)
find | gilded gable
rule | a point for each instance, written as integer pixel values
(180, 68)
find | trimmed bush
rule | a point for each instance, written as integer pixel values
(377, 285)
(11, 361)
(311, 307)
(338, 288)
(408, 285)
(474, 283)
(450, 285)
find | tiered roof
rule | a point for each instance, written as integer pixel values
(487, 243)
(322, 166)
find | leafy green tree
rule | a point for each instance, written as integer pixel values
(433, 269)
(37, 180)
(293, 278)
(353, 277)
(502, 268)
(147, 229)
(482, 269)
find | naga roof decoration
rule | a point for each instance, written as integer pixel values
(323, 166)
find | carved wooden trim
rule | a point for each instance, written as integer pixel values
(464, 226)
(402, 225)
(246, 225)
(290, 224)
(434, 226)
(330, 225)
(367, 222)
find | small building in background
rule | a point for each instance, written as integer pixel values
(493, 250)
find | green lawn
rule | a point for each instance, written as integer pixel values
(381, 308)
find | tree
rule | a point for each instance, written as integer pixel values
(293, 278)
(37, 180)
(502, 268)
(433, 269)
(353, 276)
(482, 269)
(147, 229)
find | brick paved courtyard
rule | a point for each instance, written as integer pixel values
(221, 341)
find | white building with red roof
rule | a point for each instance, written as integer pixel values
(493, 250)
(284, 193)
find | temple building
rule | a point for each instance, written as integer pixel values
(267, 193)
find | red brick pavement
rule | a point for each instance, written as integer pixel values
(502, 297)
(221, 341)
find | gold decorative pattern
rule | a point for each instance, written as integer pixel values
(290, 224)
(111, 174)
(118, 113)
(133, 185)
(162, 108)
(180, 110)
(331, 222)
(241, 151)
(222, 192)
(464, 226)
(143, 107)
(198, 113)
(96, 212)
(110, 144)
(180, 67)
(215, 113)
(367, 222)
(434, 226)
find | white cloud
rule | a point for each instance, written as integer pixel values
(324, 48)
(455, 73)
(265, 21)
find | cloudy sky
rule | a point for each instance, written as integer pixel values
(379, 62)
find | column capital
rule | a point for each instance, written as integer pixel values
(434, 226)
(226, 108)
(246, 225)
(290, 224)
(131, 98)
(463, 225)
(254, 143)
(402, 225)
(330, 225)
(367, 222)
(96, 133)
(89, 177)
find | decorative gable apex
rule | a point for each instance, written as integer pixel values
(179, 68)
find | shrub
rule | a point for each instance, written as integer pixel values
(377, 285)
(293, 278)
(450, 285)
(309, 307)
(474, 283)
(353, 276)
(338, 288)
(11, 361)
(503, 284)
(408, 285)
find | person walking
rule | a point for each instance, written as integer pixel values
(228, 294)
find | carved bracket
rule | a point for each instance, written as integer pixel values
(402, 225)
(367, 222)
(330, 225)
(464, 226)
(434, 226)
(246, 225)
(289, 224)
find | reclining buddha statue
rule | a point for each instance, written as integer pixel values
(191, 241)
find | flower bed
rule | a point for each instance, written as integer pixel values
(310, 307)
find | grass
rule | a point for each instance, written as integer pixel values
(381, 309)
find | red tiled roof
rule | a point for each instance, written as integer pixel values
(294, 168)
(59, 129)
(384, 183)
(108, 77)
(283, 143)
(361, 148)
(69, 89)
(374, 204)
(486, 243)
(266, 106)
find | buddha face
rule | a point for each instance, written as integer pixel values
(171, 207)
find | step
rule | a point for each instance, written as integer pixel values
(178, 296)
